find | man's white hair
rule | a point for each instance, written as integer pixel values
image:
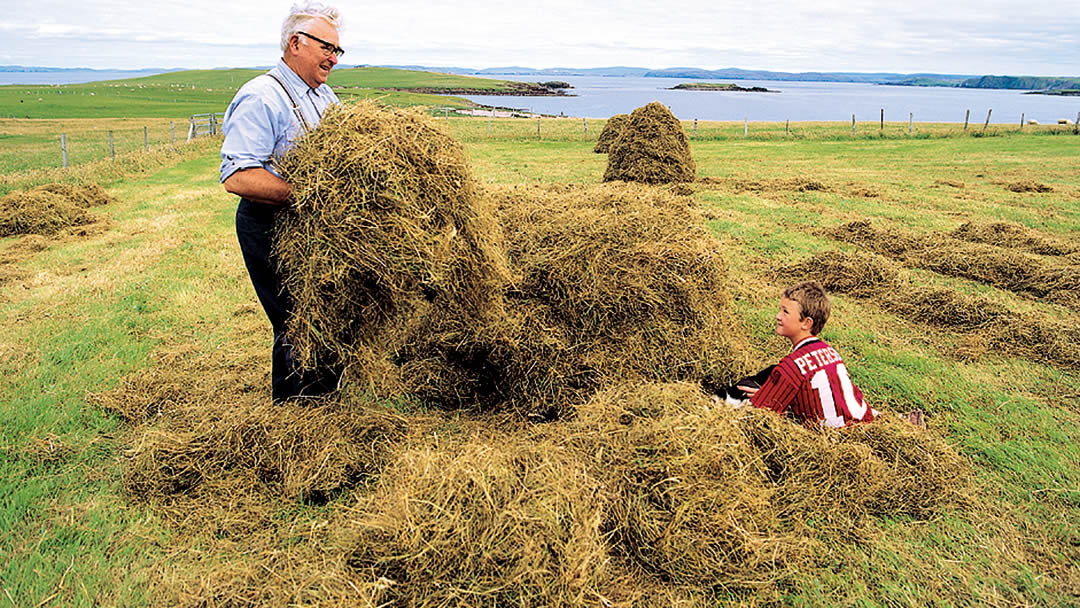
(303, 14)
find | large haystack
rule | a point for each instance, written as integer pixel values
(386, 227)
(612, 128)
(651, 148)
(401, 274)
(617, 281)
(50, 208)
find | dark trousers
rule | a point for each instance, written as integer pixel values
(254, 231)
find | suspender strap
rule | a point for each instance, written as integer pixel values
(295, 106)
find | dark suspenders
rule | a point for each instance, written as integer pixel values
(295, 106)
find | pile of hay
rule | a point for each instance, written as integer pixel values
(651, 148)
(402, 275)
(1003, 268)
(620, 281)
(1014, 236)
(649, 490)
(1030, 335)
(722, 497)
(386, 229)
(612, 128)
(50, 208)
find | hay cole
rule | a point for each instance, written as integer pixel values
(503, 518)
(615, 281)
(651, 148)
(49, 208)
(1016, 236)
(384, 228)
(718, 496)
(612, 128)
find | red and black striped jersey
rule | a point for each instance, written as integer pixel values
(813, 384)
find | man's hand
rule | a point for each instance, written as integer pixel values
(259, 185)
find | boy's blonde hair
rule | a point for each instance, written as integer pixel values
(813, 302)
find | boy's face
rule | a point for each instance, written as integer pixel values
(789, 321)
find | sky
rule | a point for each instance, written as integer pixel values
(1034, 37)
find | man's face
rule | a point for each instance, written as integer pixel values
(308, 57)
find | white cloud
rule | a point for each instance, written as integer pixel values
(1000, 36)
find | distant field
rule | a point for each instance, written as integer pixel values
(178, 95)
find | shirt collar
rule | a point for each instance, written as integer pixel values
(806, 341)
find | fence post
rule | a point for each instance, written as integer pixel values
(537, 126)
(172, 126)
(585, 124)
(1076, 125)
(853, 125)
(882, 129)
(112, 149)
(1021, 121)
(746, 127)
(966, 117)
(787, 127)
(987, 123)
(910, 124)
(695, 127)
(490, 115)
(145, 139)
(63, 148)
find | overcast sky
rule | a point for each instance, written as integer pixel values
(1007, 37)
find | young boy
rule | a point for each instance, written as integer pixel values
(812, 382)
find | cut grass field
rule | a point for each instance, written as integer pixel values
(158, 288)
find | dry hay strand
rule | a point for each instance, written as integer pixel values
(493, 520)
(1002, 268)
(1028, 186)
(855, 273)
(1015, 236)
(186, 377)
(1029, 335)
(739, 498)
(295, 451)
(615, 281)
(1034, 337)
(612, 128)
(385, 227)
(758, 186)
(651, 148)
(50, 208)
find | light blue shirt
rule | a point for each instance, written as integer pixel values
(261, 122)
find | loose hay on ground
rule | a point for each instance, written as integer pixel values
(1030, 335)
(1003, 268)
(1014, 236)
(651, 148)
(48, 209)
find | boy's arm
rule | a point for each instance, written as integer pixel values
(777, 393)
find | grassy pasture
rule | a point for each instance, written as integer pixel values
(161, 277)
(178, 95)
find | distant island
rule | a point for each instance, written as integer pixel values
(716, 86)
(513, 89)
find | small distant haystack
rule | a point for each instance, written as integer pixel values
(385, 228)
(50, 208)
(651, 148)
(612, 129)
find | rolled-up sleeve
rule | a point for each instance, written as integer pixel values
(250, 139)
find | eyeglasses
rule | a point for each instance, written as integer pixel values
(328, 48)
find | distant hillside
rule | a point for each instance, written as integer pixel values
(1027, 83)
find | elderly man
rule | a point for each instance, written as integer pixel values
(264, 119)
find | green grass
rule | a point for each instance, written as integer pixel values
(178, 95)
(166, 271)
